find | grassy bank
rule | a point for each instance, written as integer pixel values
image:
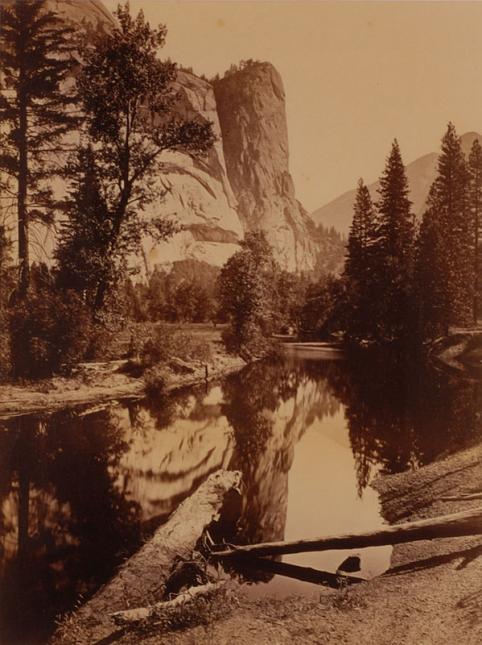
(97, 382)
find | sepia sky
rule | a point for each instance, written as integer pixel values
(356, 74)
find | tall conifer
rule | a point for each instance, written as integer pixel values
(445, 250)
(475, 206)
(35, 109)
(359, 269)
(394, 250)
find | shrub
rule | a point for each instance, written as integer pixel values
(49, 330)
(157, 381)
(5, 364)
(166, 343)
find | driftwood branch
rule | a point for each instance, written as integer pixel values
(461, 498)
(454, 525)
(167, 608)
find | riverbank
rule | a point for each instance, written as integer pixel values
(431, 595)
(460, 351)
(98, 383)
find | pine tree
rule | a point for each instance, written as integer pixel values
(359, 268)
(475, 206)
(445, 266)
(35, 110)
(83, 238)
(394, 250)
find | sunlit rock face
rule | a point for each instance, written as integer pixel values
(242, 184)
(198, 192)
(251, 109)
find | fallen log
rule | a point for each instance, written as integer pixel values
(168, 608)
(142, 579)
(453, 525)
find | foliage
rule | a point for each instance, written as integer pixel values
(7, 283)
(331, 250)
(360, 268)
(378, 305)
(445, 260)
(166, 343)
(129, 100)
(248, 297)
(82, 263)
(35, 110)
(323, 312)
(475, 208)
(240, 67)
(394, 252)
(50, 329)
(156, 380)
(289, 300)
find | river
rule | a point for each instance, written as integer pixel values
(80, 490)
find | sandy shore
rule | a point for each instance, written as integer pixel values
(100, 383)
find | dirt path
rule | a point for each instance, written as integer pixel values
(432, 594)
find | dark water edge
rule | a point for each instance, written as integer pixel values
(79, 492)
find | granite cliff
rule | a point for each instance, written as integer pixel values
(242, 184)
(252, 114)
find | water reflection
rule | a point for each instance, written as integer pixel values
(79, 491)
(402, 413)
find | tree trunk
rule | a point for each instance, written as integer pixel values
(307, 574)
(22, 210)
(454, 525)
(143, 578)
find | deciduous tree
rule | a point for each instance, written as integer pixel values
(129, 100)
(247, 297)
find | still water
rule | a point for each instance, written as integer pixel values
(79, 491)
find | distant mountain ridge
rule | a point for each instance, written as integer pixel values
(420, 174)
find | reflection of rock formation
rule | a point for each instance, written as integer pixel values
(163, 466)
(76, 491)
(270, 407)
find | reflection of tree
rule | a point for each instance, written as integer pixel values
(186, 403)
(401, 412)
(71, 522)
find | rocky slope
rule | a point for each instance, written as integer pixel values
(420, 173)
